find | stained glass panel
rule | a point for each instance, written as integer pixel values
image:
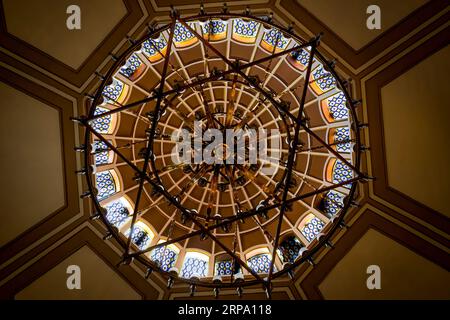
(312, 228)
(131, 66)
(342, 173)
(114, 90)
(140, 237)
(195, 263)
(289, 249)
(103, 156)
(165, 257)
(106, 185)
(260, 263)
(245, 31)
(103, 124)
(332, 203)
(117, 213)
(342, 137)
(323, 80)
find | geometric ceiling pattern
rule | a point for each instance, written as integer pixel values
(392, 218)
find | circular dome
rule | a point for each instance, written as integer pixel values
(221, 146)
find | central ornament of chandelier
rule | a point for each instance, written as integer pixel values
(221, 150)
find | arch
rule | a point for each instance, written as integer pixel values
(340, 139)
(218, 31)
(321, 81)
(142, 234)
(118, 211)
(311, 226)
(183, 37)
(331, 203)
(154, 49)
(106, 124)
(274, 38)
(289, 248)
(165, 256)
(116, 92)
(337, 172)
(102, 157)
(245, 31)
(334, 108)
(133, 68)
(107, 183)
(259, 260)
(195, 263)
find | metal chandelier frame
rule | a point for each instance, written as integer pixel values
(159, 95)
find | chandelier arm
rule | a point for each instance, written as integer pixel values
(330, 148)
(200, 81)
(247, 214)
(235, 68)
(290, 163)
(149, 148)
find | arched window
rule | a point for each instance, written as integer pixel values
(133, 67)
(337, 172)
(107, 183)
(154, 49)
(101, 157)
(195, 263)
(118, 211)
(260, 262)
(142, 235)
(331, 203)
(334, 108)
(104, 124)
(321, 80)
(115, 92)
(289, 249)
(218, 30)
(245, 31)
(182, 37)
(300, 59)
(272, 38)
(165, 256)
(226, 267)
(311, 226)
(340, 138)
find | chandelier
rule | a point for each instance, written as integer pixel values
(232, 87)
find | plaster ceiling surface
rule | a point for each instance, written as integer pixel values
(38, 243)
(34, 165)
(410, 104)
(404, 274)
(42, 24)
(99, 281)
(352, 29)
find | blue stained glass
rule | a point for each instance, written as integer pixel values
(342, 137)
(192, 266)
(103, 124)
(245, 29)
(181, 33)
(105, 185)
(260, 263)
(337, 106)
(139, 237)
(324, 79)
(342, 173)
(165, 257)
(332, 203)
(312, 228)
(101, 157)
(289, 249)
(302, 56)
(130, 67)
(117, 213)
(224, 268)
(152, 46)
(113, 91)
(218, 27)
(272, 36)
